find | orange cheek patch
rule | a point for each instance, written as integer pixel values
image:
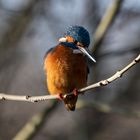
(70, 39)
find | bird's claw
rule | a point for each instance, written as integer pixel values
(60, 97)
(75, 92)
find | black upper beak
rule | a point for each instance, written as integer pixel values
(87, 53)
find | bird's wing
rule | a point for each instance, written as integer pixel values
(50, 50)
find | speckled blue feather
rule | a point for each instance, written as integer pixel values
(79, 33)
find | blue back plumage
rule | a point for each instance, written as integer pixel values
(79, 33)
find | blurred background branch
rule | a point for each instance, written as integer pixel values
(18, 26)
(35, 123)
(9, 49)
(106, 108)
(105, 23)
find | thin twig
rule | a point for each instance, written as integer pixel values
(115, 76)
(27, 98)
(105, 82)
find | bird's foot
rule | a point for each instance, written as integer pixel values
(60, 97)
(75, 92)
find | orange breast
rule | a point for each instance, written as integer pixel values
(65, 70)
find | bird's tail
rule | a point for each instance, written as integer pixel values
(70, 102)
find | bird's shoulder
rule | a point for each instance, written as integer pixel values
(49, 51)
(60, 46)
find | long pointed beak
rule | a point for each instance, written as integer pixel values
(87, 53)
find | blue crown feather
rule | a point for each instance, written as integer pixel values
(79, 33)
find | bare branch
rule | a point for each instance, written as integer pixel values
(117, 75)
(27, 98)
(105, 82)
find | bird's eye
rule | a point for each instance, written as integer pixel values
(75, 42)
(79, 44)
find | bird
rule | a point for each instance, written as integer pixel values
(65, 65)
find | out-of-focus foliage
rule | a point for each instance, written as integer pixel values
(28, 28)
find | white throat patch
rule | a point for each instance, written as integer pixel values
(77, 51)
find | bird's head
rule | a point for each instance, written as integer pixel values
(80, 37)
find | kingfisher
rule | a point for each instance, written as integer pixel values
(66, 66)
